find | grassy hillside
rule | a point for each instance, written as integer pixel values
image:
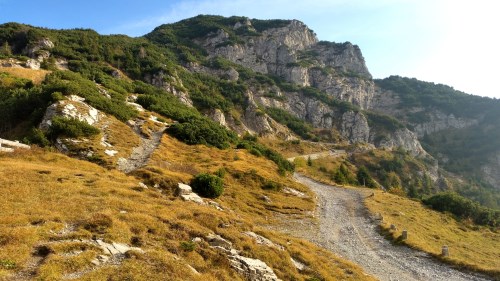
(470, 246)
(47, 204)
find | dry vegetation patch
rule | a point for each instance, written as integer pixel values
(37, 76)
(49, 201)
(471, 246)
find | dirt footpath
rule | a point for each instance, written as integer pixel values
(346, 229)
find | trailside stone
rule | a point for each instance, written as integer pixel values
(252, 269)
(261, 240)
(215, 240)
(183, 189)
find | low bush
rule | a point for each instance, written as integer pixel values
(272, 185)
(202, 131)
(463, 208)
(71, 127)
(207, 185)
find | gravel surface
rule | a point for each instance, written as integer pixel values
(141, 154)
(346, 229)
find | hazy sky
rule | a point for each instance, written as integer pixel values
(451, 42)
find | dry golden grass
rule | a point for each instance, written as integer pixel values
(50, 199)
(476, 248)
(37, 76)
(296, 148)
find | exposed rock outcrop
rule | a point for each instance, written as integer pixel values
(73, 107)
(403, 138)
(171, 84)
(490, 170)
(293, 53)
(354, 127)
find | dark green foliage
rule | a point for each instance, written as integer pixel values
(297, 125)
(417, 93)
(188, 246)
(262, 25)
(71, 127)
(343, 176)
(207, 185)
(71, 83)
(272, 185)
(463, 208)
(202, 131)
(38, 137)
(208, 92)
(309, 161)
(364, 178)
(382, 122)
(20, 101)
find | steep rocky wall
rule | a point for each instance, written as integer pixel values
(294, 53)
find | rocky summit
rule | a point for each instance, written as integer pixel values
(186, 130)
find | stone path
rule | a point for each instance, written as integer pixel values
(141, 154)
(346, 229)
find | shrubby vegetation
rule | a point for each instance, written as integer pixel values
(297, 125)
(207, 185)
(463, 208)
(364, 178)
(344, 176)
(71, 127)
(417, 93)
(202, 131)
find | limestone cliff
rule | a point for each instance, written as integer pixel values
(293, 53)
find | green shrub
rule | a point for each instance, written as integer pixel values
(272, 185)
(463, 208)
(202, 131)
(71, 127)
(7, 264)
(364, 178)
(188, 246)
(207, 185)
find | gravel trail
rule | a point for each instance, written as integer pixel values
(140, 155)
(346, 229)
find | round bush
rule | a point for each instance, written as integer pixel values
(207, 185)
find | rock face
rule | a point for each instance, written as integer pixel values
(354, 127)
(490, 170)
(170, 84)
(251, 269)
(431, 120)
(294, 53)
(405, 139)
(74, 107)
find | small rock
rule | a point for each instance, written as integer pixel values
(110, 152)
(261, 240)
(183, 189)
(193, 197)
(197, 239)
(142, 185)
(252, 269)
(294, 192)
(300, 266)
(216, 240)
(266, 199)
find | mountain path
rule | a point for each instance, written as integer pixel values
(140, 155)
(346, 228)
